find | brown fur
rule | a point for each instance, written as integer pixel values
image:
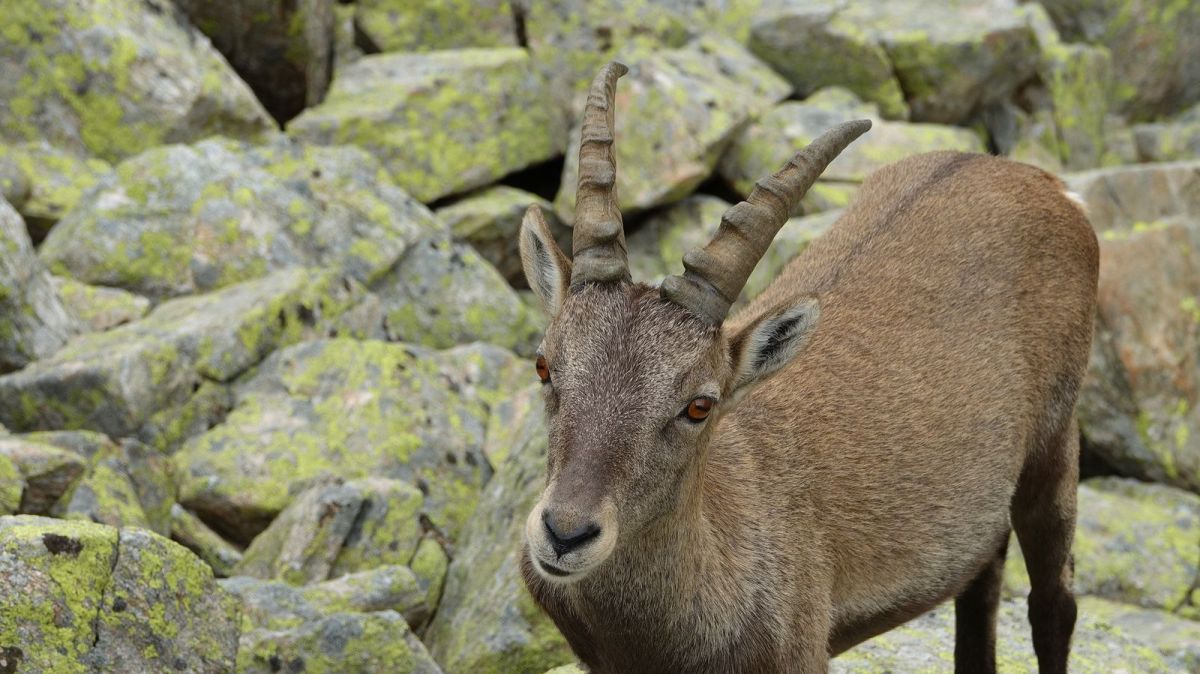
(868, 479)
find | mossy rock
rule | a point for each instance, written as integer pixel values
(193, 534)
(82, 597)
(56, 181)
(126, 485)
(762, 147)
(1174, 139)
(1078, 79)
(341, 643)
(45, 472)
(677, 111)
(100, 308)
(351, 409)
(490, 221)
(1135, 543)
(444, 122)
(167, 429)
(427, 25)
(926, 645)
(442, 293)
(282, 48)
(34, 322)
(487, 622)
(111, 78)
(184, 219)
(1178, 639)
(813, 45)
(115, 381)
(11, 486)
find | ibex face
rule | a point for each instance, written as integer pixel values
(635, 377)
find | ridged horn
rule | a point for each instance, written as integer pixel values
(715, 274)
(598, 241)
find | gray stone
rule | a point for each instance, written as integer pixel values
(443, 122)
(55, 181)
(1170, 140)
(126, 485)
(100, 308)
(193, 534)
(426, 25)
(1178, 639)
(45, 472)
(110, 79)
(677, 111)
(185, 219)
(34, 323)
(282, 48)
(347, 643)
(490, 220)
(114, 381)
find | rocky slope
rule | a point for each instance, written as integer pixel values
(263, 333)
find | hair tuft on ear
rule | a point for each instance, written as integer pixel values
(546, 267)
(769, 343)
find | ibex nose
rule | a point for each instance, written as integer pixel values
(566, 541)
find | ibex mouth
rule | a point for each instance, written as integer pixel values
(552, 570)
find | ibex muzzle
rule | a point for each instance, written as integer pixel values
(757, 493)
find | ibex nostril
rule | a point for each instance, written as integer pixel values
(564, 542)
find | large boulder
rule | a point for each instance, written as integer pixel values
(764, 146)
(100, 308)
(337, 643)
(82, 597)
(112, 78)
(442, 122)
(55, 179)
(1135, 543)
(487, 622)
(490, 220)
(1176, 638)
(426, 25)
(815, 45)
(1156, 60)
(676, 113)
(1137, 407)
(927, 645)
(34, 322)
(282, 48)
(1175, 139)
(350, 409)
(43, 473)
(115, 381)
(185, 219)
(126, 485)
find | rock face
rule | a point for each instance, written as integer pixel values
(1173, 140)
(186, 219)
(427, 25)
(34, 323)
(114, 381)
(126, 485)
(112, 78)
(676, 112)
(55, 181)
(442, 123)
(1137, 406)
(80, 597)
(487, 621)
(490, 220)
(1157, 65)
(100, 308)
(418, 415)
(283, 49)
(40, 472)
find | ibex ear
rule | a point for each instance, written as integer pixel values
(767, 344)
(546, 267)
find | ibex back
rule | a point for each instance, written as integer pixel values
(761, 492)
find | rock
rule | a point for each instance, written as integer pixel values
(1173, 140)
(1135, 543)
(764, 146)
(98, 307)
(79, 597)
(56, 180)
(114, 381)
(11, 486)
(346, 48)
(168, 428)
(487, 622)
(345, 643)
(791, 240)
(185, 219)
(954, 58)
(1176, 638)
(14, 184)
(34, 323)
(193, 534)
(1078, 78)
(490, 220)
(1156, 64)
(281, 48)
(814, 45)
(443, 122)
(276, 605)
(412, 419)
(443, 293)
(676, 113)
(1134, 407)
(567, 669)
(110, 79)
(426, 25)
(126, 485)
(387, 529)
(927, 644)
(46, 472)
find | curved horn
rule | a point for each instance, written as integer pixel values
(716, 273)
(598, 241)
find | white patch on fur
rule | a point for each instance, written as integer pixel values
(1076, 199)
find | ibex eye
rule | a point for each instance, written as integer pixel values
(698, 409)
(543, 370)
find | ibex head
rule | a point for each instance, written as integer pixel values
(635, 377)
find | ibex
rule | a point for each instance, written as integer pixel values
(760, 492)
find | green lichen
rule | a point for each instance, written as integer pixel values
(430, 564)
(424, 25)
(11, 486)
